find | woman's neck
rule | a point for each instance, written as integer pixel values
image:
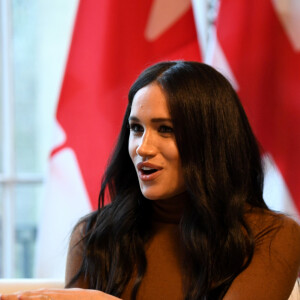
(169, 210)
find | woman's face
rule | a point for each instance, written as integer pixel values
(152, 146)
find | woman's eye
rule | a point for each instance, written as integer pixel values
(136, 128)
(165, 129)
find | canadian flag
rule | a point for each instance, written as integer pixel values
(113, 41)
(257, 46)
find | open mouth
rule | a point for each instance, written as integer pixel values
(148, 171)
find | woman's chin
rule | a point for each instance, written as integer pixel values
(151, 196)
(161, 196)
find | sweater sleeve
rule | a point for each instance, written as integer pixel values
(75, 257)
(275, 264)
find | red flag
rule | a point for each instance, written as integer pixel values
(113, 41)
(261, 42)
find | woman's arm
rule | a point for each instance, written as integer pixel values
(275, 265)
(75, 257)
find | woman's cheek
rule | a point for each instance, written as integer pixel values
(131, 147)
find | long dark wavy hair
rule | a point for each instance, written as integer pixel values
(223, 175)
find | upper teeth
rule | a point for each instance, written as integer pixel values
(146, 168)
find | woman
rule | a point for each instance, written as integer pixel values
(187, 219)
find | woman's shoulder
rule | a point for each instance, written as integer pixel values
(275, 264)
(277, 240)
(80, 229)
(86, 224)
(267, 222)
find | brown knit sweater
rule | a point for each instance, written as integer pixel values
(270, 275)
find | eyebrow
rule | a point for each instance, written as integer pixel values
(154, 120)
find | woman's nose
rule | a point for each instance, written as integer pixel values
(146, 146)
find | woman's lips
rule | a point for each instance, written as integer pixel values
(148, 177)
(144, 167)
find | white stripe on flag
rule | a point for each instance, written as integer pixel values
(65, 202)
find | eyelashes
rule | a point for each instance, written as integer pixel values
(165, 129)
(136, 128)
